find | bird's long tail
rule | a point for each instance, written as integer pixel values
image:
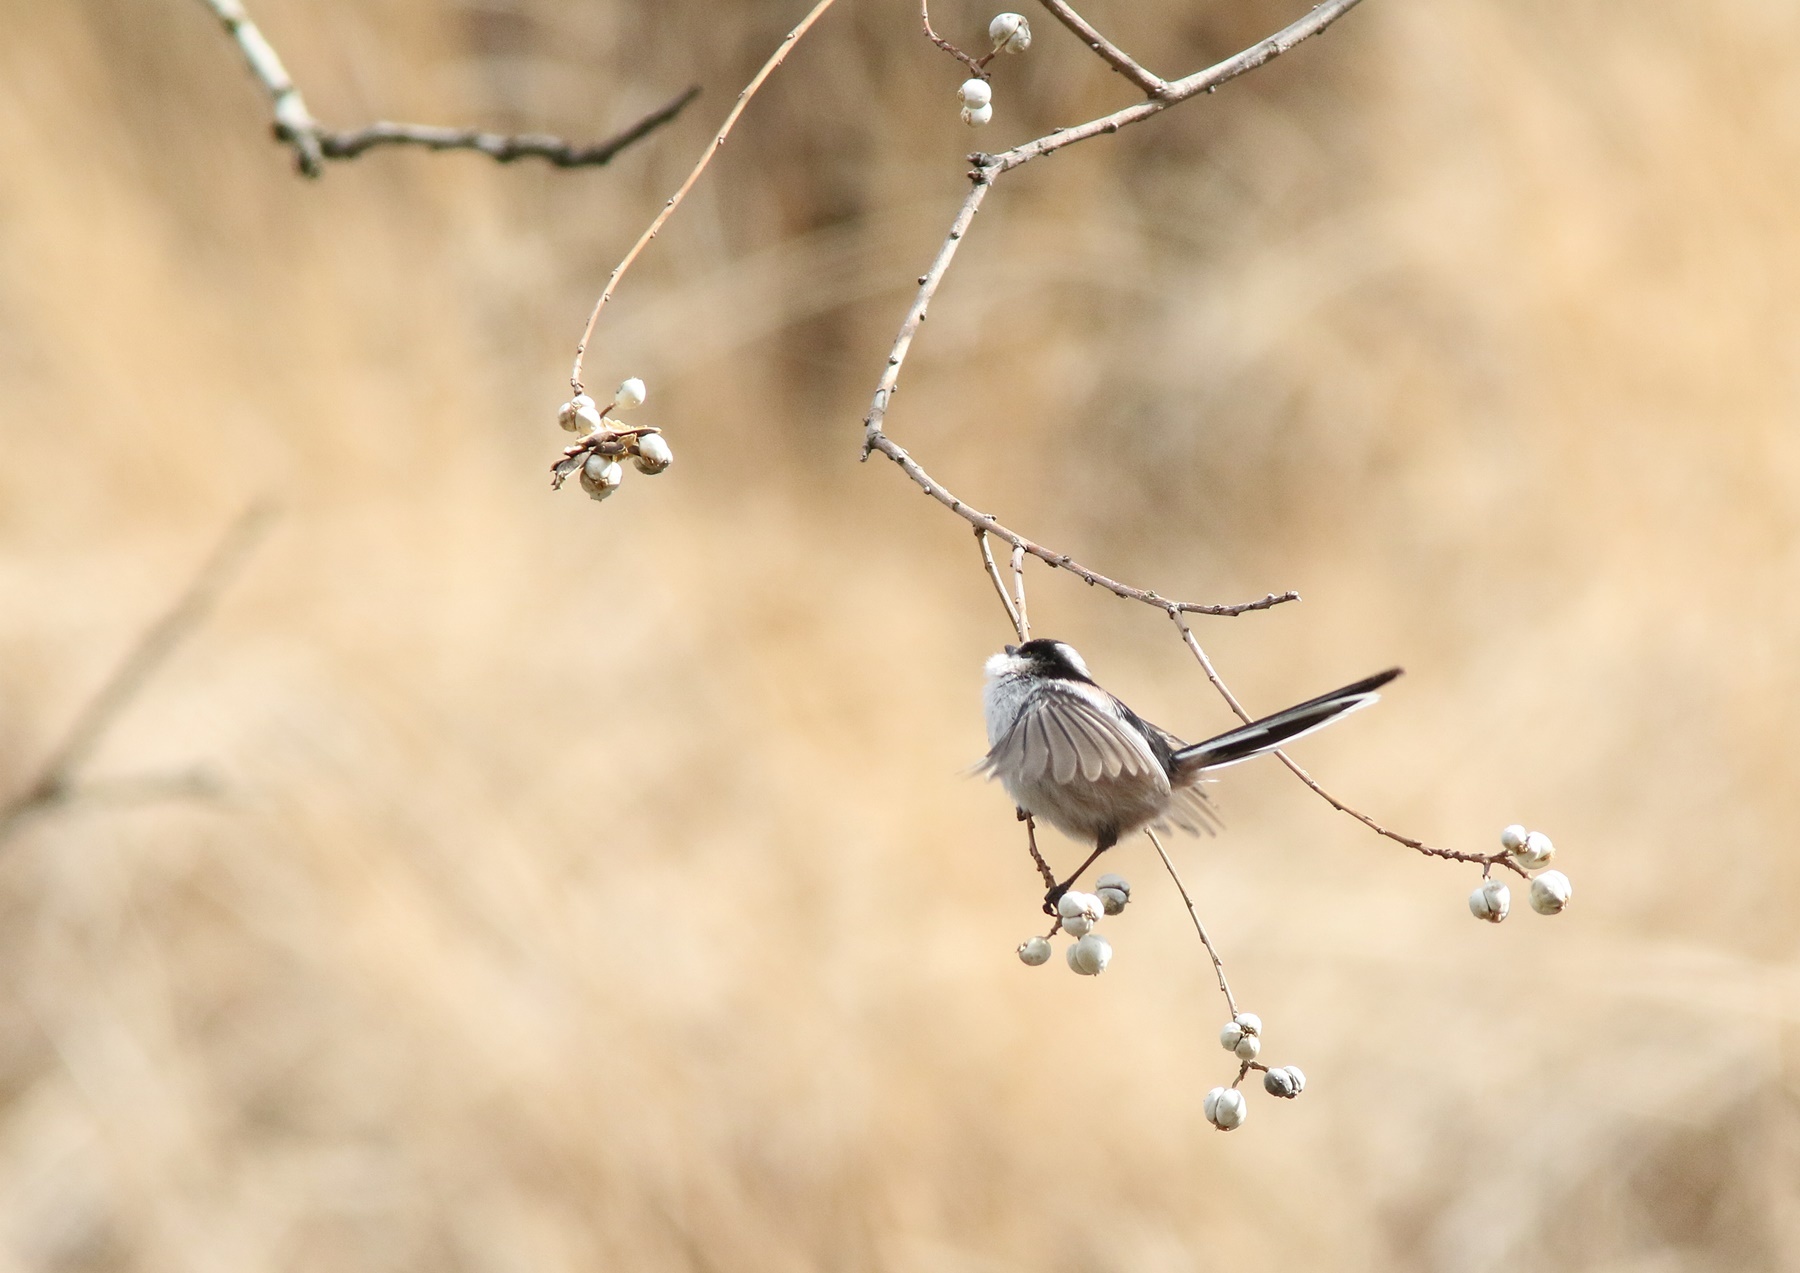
(1283, 727)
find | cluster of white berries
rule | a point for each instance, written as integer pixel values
(977, 101)
(1242, 1036)
(1225, 1107)
(1077, 914)
(1008, 33)
(598, 453)
(1530, 851)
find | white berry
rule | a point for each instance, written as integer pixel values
(1512, 838)
(976, 93)
(1490, 902)
(977, 116)
(1550, 892)
(1010, 33)
(1077, 906)
(1034, 951)
(578, 415)
(1090, 955)
(1285, 1081)
(1534, 851)
(1225, 1108)
(630, 394)
(653, 454)
(1114, 892)
(600, 477)
(569, 415)
(1244, 1026)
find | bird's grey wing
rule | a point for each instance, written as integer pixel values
(1061, 735)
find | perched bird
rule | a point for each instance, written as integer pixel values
(1074, 755)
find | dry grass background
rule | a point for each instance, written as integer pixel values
(597, 887)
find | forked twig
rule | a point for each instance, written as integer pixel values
(55, 782)
(1108, 52)
(313, 143)
(668, 209)
(974, 64)
(1012, 611)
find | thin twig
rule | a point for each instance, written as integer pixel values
(1109, 52)
(56, 779)
(1012, 611)
(313, 143)
(1193, 914)
(981, 181)
(1485, 860)
(668, 209)
(946, 46)
(1018, 569)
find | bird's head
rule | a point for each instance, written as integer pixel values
(1041, 657)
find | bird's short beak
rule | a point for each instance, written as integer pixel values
(1012, 649)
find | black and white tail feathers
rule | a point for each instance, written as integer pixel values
(1283, 727)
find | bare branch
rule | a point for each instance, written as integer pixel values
(55, 781)
(1109, 52)
(1062, 561)
(1487, 861)
(712, 148)
(987, 169)
(313, 143)
(981, 178)
(294, 124)
(1193, 914)
(501, 147)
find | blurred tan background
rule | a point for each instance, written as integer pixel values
(598, 887)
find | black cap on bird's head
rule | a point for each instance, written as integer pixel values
(1052, 658)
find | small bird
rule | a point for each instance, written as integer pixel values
(1074, 755)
